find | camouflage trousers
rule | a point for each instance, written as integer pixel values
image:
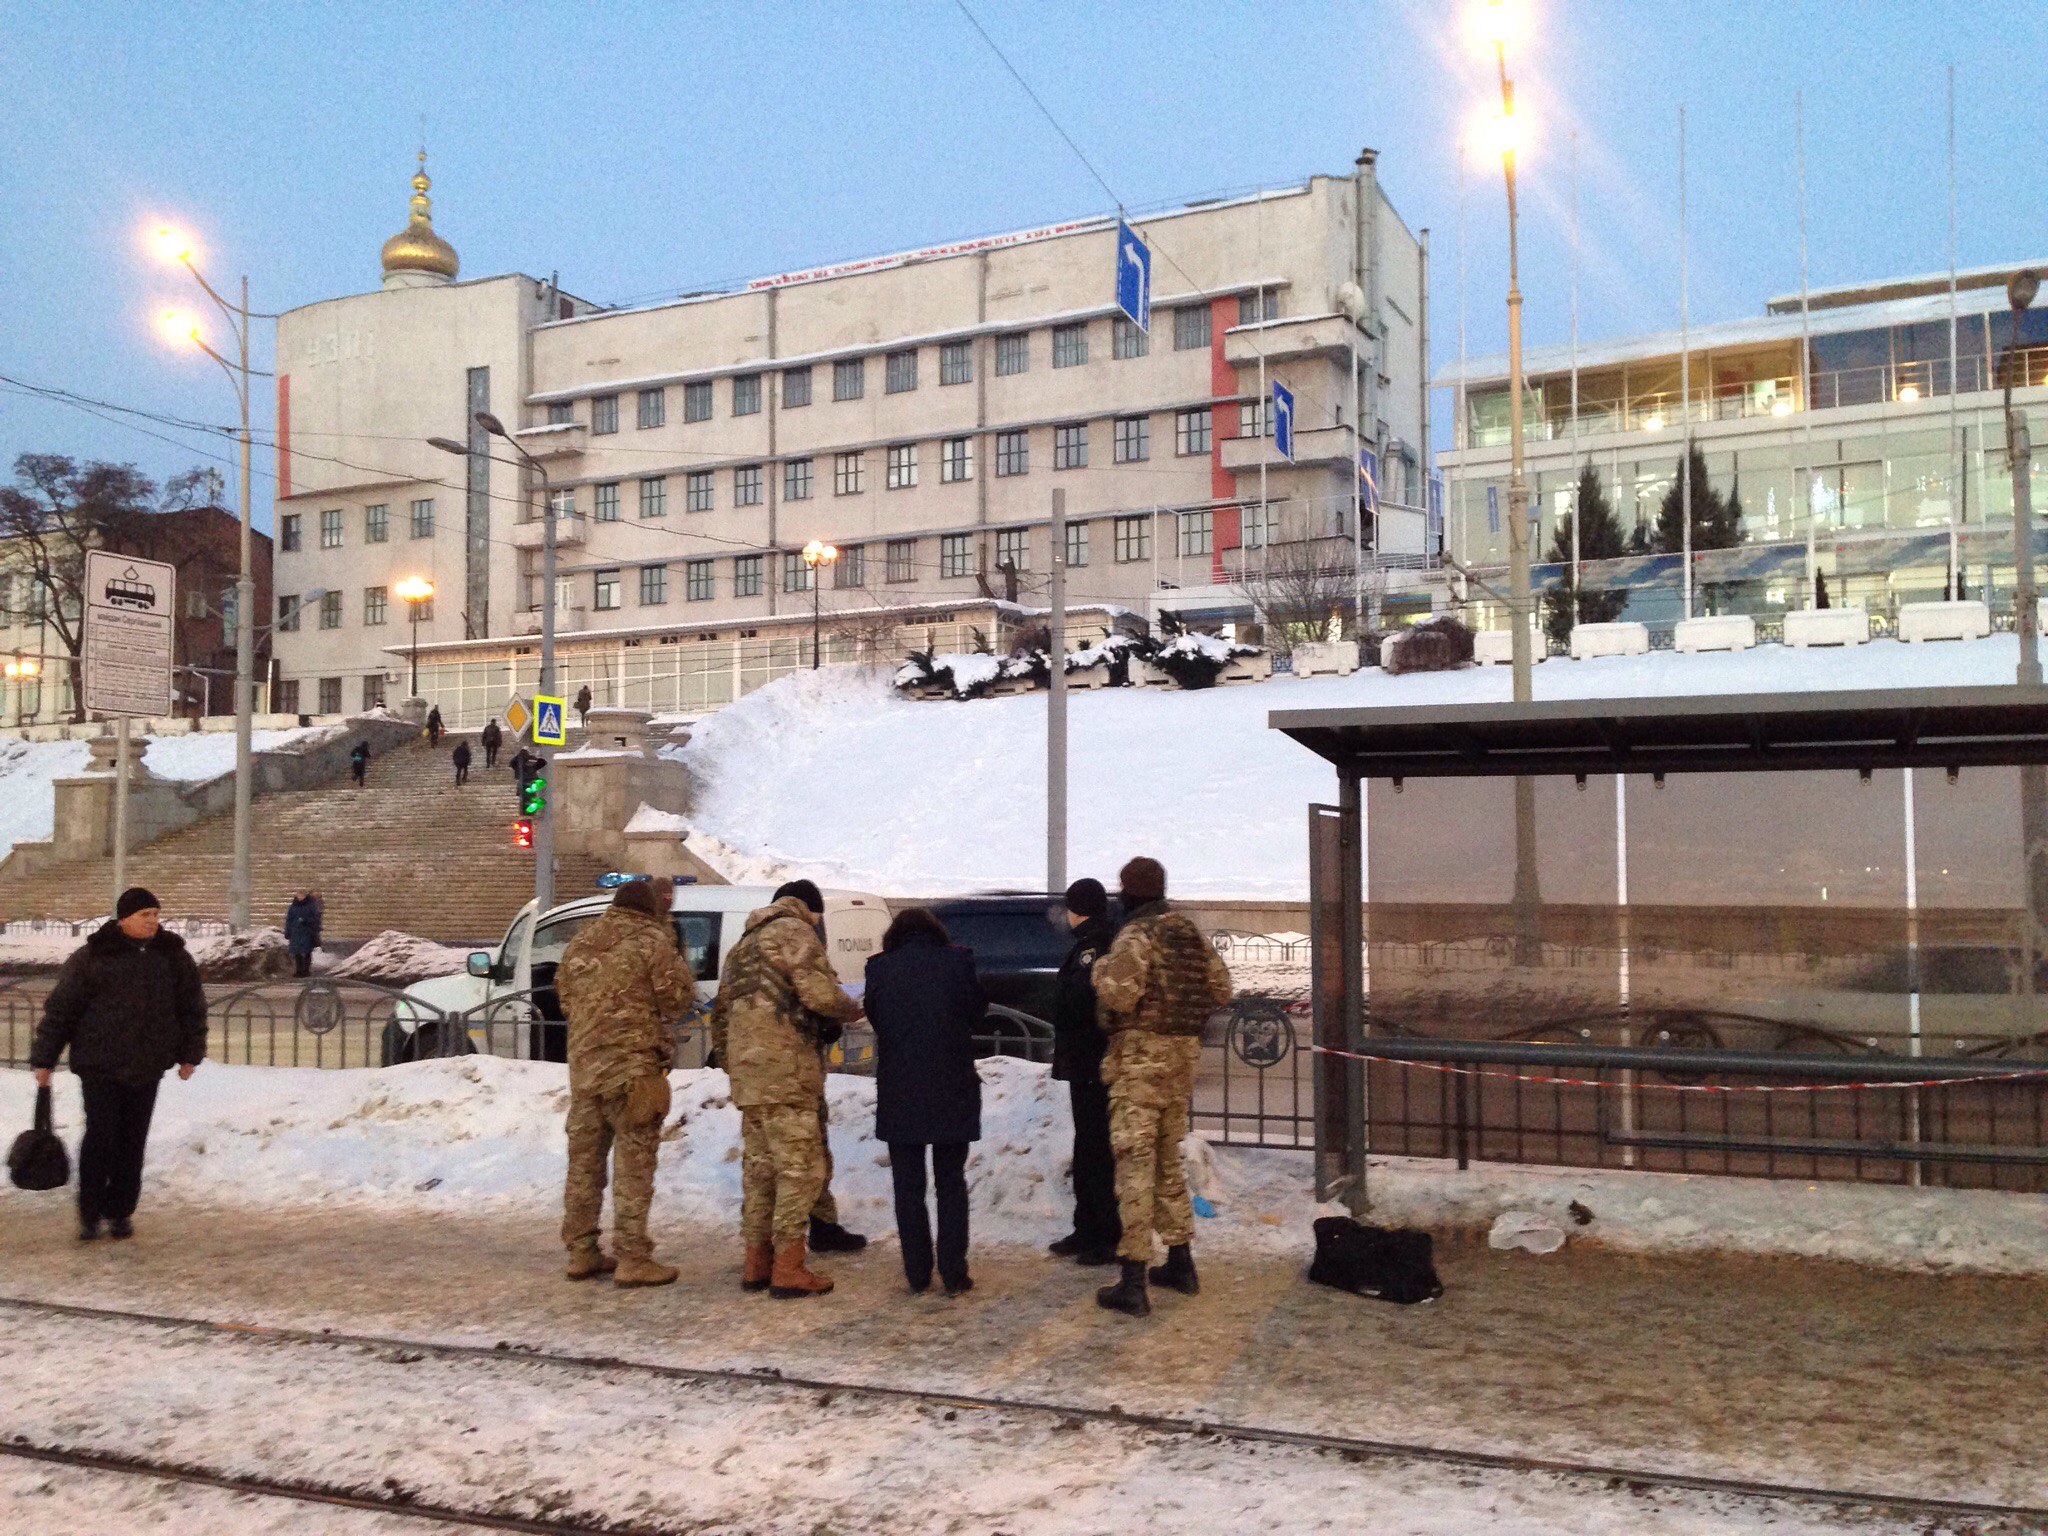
(825, 1208)
(600, 1131)
(783, 1167)
(1151, 1186)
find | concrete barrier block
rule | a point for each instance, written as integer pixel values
(1827, 626)
(1965, 620)
(1619, 639)
(1716, 632)
(1247, 669)
(1326, 658)
(1496, 647)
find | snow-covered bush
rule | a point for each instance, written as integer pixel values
(1438, 643)
(964, 674)
(1195, 660)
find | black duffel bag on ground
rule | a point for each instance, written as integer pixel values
(37, 1160)
(1388, 1263)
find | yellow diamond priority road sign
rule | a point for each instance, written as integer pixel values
(518, 716)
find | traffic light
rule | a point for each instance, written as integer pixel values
(533, 793)
(522, 833)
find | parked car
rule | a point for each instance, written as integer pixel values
(1019, 939)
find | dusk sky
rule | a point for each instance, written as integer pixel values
(645, 151)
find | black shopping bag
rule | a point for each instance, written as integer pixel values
(37, 1160)
(1388, 1264)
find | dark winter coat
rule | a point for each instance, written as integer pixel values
(361, 755)
(924, 1004)
(132, 1011)
(461, 755)
(1077, 1038)
(492, 736)
(302, 925)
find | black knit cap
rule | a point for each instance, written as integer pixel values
(1086, 898)
(804, 891)
(133, 900)
(1142, 880)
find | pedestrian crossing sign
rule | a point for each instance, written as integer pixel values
(549, 728)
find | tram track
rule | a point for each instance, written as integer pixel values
(1604, 1476)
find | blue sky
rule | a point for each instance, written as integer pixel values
(647, 150)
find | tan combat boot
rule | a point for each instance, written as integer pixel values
(636, 1269)
(587, 1261)
(760, 1267)
(790, 1279)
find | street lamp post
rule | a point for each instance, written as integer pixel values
(817, 555)
(2020, 291)
(20, 671)
(417, 592)
(172, 246)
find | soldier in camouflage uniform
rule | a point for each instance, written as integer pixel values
(1154, 992)
(623, 984)
(777, 1000)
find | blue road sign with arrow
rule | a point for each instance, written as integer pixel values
(1133, 277)
(1283, 419)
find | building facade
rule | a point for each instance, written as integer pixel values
(919, 413)
(1858, 432)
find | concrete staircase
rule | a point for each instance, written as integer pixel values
(409, 851)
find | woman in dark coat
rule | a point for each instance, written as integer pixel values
(924, 1003)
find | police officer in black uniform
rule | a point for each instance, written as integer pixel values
(1077, 1047)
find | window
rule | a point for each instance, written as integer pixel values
(902, 461)
(289, 535)
(954, 556)
(653, 585)
(956, 460)
(288, 613)
(607, 590)
(330, 528)
(330, 610)
(1197, 532)
(899, 372)
(796, 480)
(423, 610)
(653, 407)
(1077, 544)
(560, 413)
(423, 518)
(1255, 307)
(848, 470)
(1013, 452)
(1013, 352)
(956, 362)
(1133, 539)
(1069, 345)
(376, 605)
(796, 575)
(851, 569)
(746, 394)
(697, 491)
(330, 695)
(746, 486)
(796, 387)
(376, 523)
(1133, 439)
(564, 501)
(1191, 431)
(607, 503)
(1257, 529)
(1070, 446)
(746, 576)
(902, 557)
(1013, 549)
(697, 401)
(287, 700)
(604, 414)
(373, 690)
(654, 497)
(1255, 418)
(195, 603)
(1126, 340)
(849, 378)
(1190, 327)
(697, 581)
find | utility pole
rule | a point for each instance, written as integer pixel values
(1056, 708)
(239, 880)
(2020, 291)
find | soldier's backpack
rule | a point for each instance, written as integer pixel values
(1387, 1263)
(37, 1160)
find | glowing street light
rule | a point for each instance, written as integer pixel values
(817, 553)
(181, 328)
(170, 244)
(416, 591)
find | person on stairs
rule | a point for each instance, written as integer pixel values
(461, 759)
(359, 762)
(623, 983)
(129, 1006)
(1077, 1047)
(583, 706)
(302, 922)
(435, 727)
(493, 738)
(1155, 990)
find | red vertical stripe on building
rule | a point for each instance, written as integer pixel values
(1222, 482)
(284, 436)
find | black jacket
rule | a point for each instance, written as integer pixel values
(924, 1003)
(302, 925)
(1077, 1038)
(492, 735)
(461, 754)
(132, 1011)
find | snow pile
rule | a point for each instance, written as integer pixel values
(204, 755)
(256, 955)
(28, 806)
(398, 959)
(833, 775)
(648, 819)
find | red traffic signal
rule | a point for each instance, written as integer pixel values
(522, 832)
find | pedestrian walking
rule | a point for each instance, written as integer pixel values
(623, 984)
(583, 706)
(493, 738)
(1077, 1047)
(924, 1004)
(302, 923)
(460, 758)
(129, 1007)
(779, 1006)
(1154, 991)
(434, 726)
(359, 762)
(523, 763)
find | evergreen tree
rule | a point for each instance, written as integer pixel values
(1714, 516)
(1600, 538)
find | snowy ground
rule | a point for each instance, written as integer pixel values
(834, 774)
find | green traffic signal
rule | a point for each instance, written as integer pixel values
(534, 795)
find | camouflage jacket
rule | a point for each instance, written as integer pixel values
(1160, 977)
(774, 983)
(623, 984)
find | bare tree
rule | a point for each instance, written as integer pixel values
(1308, 589)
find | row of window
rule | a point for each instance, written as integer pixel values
(376, 610)
(286, 698)
(1191, 331)
(291, 526)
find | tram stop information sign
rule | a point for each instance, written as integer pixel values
(130, 606)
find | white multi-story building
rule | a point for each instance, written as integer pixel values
(918, 411)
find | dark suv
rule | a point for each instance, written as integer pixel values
(1019, 940)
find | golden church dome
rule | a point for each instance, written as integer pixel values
(416, 248)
